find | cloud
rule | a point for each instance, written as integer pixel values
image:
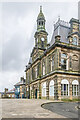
(8, 79)
(18, 28)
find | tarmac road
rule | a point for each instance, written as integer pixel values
(68, 109)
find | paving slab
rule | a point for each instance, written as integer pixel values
(26, 108)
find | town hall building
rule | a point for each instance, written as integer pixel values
(53, 71)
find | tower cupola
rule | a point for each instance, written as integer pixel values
(40, 20)
(41, 34)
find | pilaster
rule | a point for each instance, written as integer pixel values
(47, 90)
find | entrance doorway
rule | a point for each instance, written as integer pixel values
(35, 93)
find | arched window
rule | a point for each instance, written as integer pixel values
(64, 87)
(75, 40)
(44, 89)
(51, 88)
(42, 22)
(39, 23)
(63, 61)
(75, 88)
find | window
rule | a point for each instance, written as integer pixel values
(70, 62)
(39, 23)
(12, 95)
(18, 90)
(64, 87)
(9, 96)
(63, 61)
(44, 89)
(42, 44)
(42, 22)
(75, 88)
(36, 72)
(74, 42)
(51, 88)
(52, 63)
(43, 68)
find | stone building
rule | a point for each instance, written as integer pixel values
(20, 89)
(53, 68)
(8, 93)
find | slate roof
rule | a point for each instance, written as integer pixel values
(61, 28)
(20, 83)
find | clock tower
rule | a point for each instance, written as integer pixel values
(41, 34)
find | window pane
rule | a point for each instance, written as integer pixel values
(64, 87)
(63, 55)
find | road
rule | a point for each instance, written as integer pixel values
(68, 109)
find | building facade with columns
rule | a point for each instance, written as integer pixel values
(53, 68)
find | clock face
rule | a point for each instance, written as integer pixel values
(42, 39)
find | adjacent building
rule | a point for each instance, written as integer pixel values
(53, 68)
(8, 93)
(20, 89)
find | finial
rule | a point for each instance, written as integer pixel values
(40, 8)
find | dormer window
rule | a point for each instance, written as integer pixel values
(75, 41)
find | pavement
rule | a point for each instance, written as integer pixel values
(26, 108)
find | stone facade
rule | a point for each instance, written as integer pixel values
(8, 93)
(53, 69)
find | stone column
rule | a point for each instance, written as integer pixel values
(32, 92)
(59, 89)
(70, 90)
(47, 90)
(39, 91)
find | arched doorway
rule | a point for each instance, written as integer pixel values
(35, 93)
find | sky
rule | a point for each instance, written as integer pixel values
(18, 26)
